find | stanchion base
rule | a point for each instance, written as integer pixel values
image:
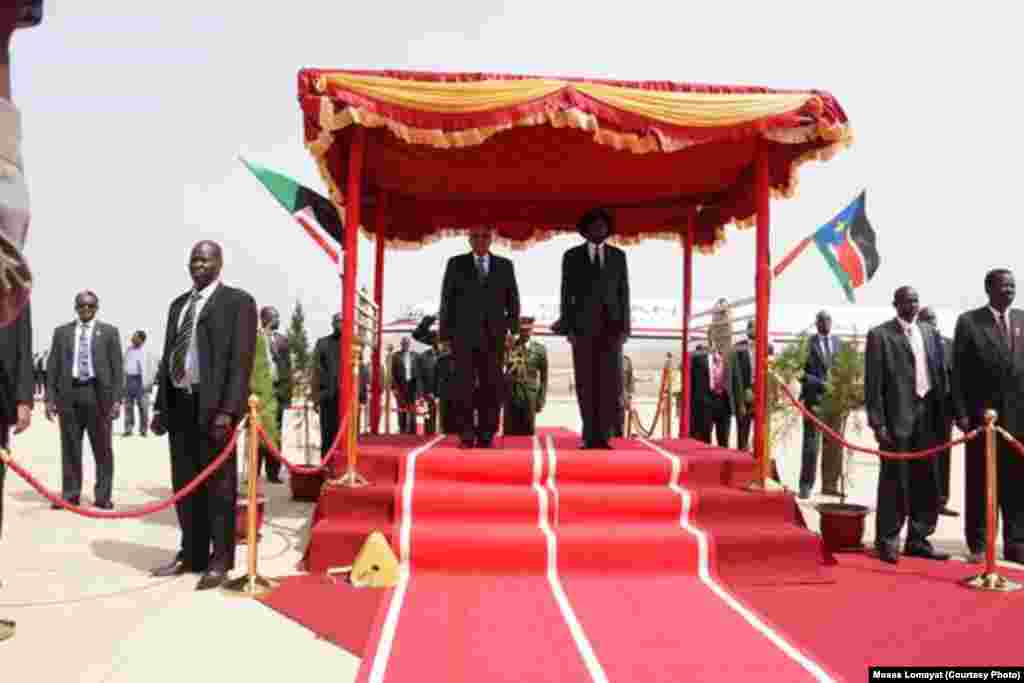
(350, 479)
(991, 582)
(249, 586)
(6, 629)
(768, 486)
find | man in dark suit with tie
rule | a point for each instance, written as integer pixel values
(325, 383)
(821, 348)
(405, 384)
(711, 406)
(281, 362)
(202, 394)
(942, 472)
(904, 390)
(595, 317)
(85, 377)
(479, 306)
(988, 373)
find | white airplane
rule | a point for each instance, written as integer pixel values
(657, 323)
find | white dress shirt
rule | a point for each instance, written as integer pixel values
(193, 373)
(407, 362)
(1005, 316)
(483, 261)
(596, 252)
(89, 327)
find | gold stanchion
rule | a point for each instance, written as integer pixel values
(990, 579)
(251, 585)
(352, 479)
(667, 425)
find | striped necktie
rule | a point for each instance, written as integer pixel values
(182, 340)
(84, 353)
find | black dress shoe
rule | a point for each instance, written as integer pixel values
(831, 492)
(127, 434)
(925, 551)
(584, 445)
(214, 578)
(175, 567)
(948, 512)
(804, 494)
(69, 501)
(105, 505)
(275, 480)
(485, 443)
(603, 445)
(888, 555)
(466, 444)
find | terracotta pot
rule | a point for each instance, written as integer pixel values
(306, 487)
(242, 518)
(842, 525)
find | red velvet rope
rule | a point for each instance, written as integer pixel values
(913, 455)
(150, 509)
(1011, 440)
(303, 469)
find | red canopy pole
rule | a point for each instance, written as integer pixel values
(348, 278)
(684, 373)
(762, 283)
(378, 298)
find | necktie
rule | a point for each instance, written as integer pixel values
(182, 340)
(922, 384)
(825, 347)
(1005, 329)
(481, 268)
(716, 374)
(84, 353)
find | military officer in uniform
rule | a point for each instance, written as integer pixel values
(526, 372)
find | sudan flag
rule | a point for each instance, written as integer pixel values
(314, 212)
(848, 244)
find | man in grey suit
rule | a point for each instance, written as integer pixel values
(85, 380)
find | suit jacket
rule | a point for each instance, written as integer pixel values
(469, 307)
(700, 386)
(107, 365)
(282, 357)
(16, 380)
(890, 387)
(426, 372)
(588, 301)
(407, 383)
(985, 373)
(226, 342)
(325, 368)
(816, 367)
(740, 369)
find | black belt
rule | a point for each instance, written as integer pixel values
(82, 382)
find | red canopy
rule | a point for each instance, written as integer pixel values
(528, 155)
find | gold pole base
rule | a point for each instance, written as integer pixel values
(768, 486)
(992, 582)
(351, 479)
(249, 586)
(6, 630)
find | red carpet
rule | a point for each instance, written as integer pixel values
(914, 614)
(539, 562)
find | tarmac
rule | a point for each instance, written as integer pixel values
(88, 611)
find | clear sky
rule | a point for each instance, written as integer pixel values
(134, 113)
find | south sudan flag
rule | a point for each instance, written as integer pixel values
(848, 244)
(310, 209)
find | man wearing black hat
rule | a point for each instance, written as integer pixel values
(595, 317)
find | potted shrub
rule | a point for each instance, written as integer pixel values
(842, 523)
(262, 385)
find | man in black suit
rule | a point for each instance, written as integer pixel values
(904, 390)
(595, 317)
(85, 374)
(426, 379)
(942, 472)
(711, 405)
(479, 306)
(741, 385)
(405, 384)
(988, 373)
(325, 383)
(203, 392)
(821, 349)
(281, 363)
